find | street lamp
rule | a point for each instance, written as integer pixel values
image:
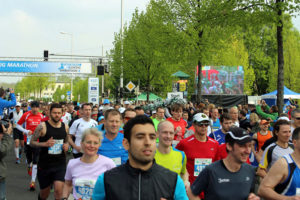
(121, 75)
(71, 36)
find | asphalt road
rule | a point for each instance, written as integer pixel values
(17, 180)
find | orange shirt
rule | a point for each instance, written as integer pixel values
(262, 138)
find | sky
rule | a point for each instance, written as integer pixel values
(28, 27)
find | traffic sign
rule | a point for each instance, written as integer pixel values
(68, 92)
(130, 86)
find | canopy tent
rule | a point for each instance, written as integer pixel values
(143, 97)
(181, 75)
(270, 98)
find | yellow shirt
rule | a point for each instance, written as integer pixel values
(174, 161)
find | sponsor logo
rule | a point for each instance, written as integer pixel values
(225, 180)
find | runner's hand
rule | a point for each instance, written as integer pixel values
(65, 147)
(252, 196)
(30, 132)
(50, 142)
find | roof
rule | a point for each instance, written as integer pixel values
(181, 74)
(286, 92)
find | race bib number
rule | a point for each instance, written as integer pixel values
(117, 161)
(84, 189)
(200, 164)
(56, 148)
(28, 139)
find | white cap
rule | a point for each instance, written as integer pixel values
(18, 104)
(200, 117)
(126, 102)
(154, 111)
(121, 110)
(284, 118)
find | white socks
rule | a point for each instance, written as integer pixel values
(34, 172)
(17, 152)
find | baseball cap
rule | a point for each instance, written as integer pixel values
(238, 135)
(121, 110)
(200, 117)
(283, 118)
(106, 101)
(100, 118)
(18, 104)
(264, 122)
(126, 102)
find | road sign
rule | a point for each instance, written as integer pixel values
(93, 90)
(68, 93)
(130, 86)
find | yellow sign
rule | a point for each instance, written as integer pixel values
(130, 86)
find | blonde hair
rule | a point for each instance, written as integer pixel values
(254, 117)
(92, 131)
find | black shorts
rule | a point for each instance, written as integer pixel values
(18, 134)
(47, 176)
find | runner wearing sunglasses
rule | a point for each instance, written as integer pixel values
(200, 150)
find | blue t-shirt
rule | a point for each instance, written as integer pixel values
(216, 125)
(218, 135)
(114, 149)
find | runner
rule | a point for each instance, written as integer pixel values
(53, 144)
(82, 172)
(31, 119)
(200, 149)
(167, 156)
(230, 178)
(283, 179)
(15, 116)
(226, 123)
(112, 140)
(179, 123)
(79, 126)
(140, 177)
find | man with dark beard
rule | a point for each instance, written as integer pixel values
(53, 143)
(140, 177)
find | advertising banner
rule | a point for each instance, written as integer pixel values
(222, 80)
(45, 67)
(93, 90)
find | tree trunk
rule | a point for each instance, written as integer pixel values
(199, 84)
(280, 81)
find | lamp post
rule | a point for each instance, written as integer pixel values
(71, 36)
(121, 76)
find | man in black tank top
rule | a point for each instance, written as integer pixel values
(52, 136)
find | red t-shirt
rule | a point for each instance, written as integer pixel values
(183, 124)
(199, 154)
(31, 121)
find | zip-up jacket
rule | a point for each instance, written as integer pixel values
(5, 145)
(125, 182)
(6, 104)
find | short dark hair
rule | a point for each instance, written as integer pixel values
(138, 108)
(128, 110)
(277, 125)
(111, 112)
(55, 105)
(159, 107)
(85, 104)
(140, 119)
(274, 109)
(35, 104)
(293, 113)
(176, 107)
(296, 134)
(2, 92)
(225, 116)
(243, 113)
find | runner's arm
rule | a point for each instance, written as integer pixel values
(67, 189)
(66, 143)
(20, 128)
(40, 131)
(277, 174)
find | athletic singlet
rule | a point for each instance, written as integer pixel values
(31, 121)
(53, 156)
(262, 138)
(291, 185)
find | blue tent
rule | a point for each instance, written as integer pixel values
(271, 97)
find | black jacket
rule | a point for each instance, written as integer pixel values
(125, 182)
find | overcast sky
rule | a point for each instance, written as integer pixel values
(30, 26)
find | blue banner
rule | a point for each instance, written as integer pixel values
(44, 67)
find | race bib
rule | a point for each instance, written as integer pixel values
(297, 191)
(84, 189)
(200, 164)
(56, 148)
(28, 139)
(117, 161)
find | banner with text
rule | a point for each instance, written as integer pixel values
(93, 91)
(45, 67)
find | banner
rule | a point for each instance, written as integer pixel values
(93, 91)
(45, 67)
(222, 80)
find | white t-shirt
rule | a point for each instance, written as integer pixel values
(78, 127)
(84, 175)
(66, 118)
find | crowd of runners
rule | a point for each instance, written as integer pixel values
(177, 150)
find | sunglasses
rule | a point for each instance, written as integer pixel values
(297, 118)
(202, 124)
